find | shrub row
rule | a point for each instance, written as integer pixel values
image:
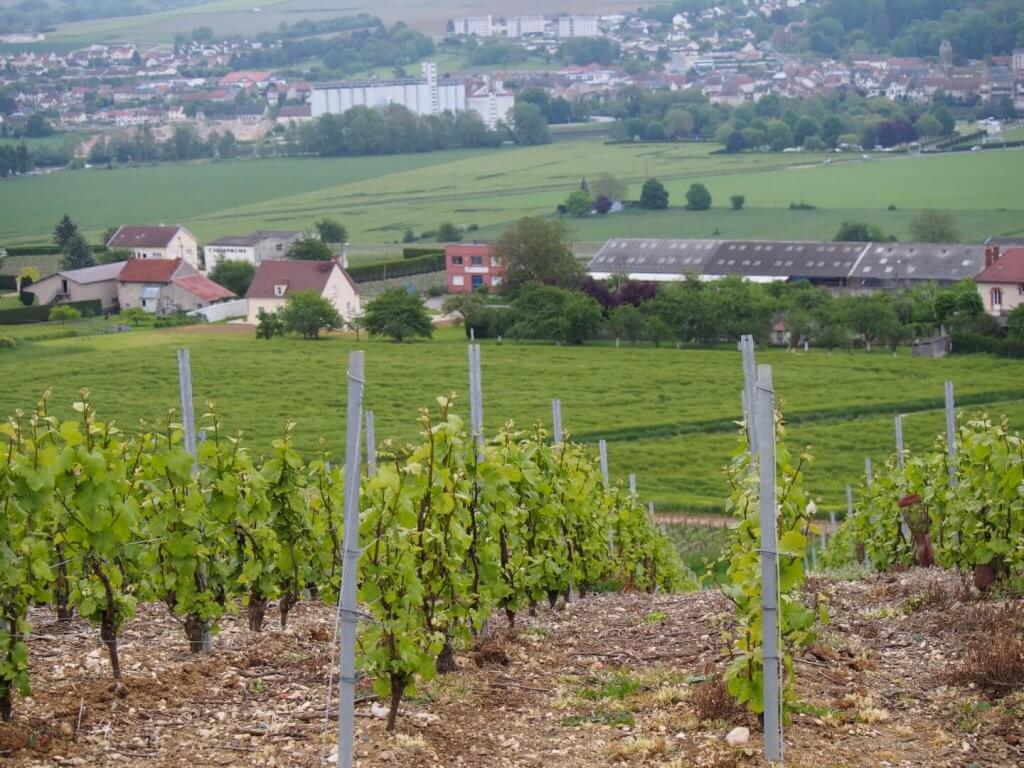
(41, 313)
(43, 249)
(401, 268)
(415, 253)
(8, 282)
(973, 343)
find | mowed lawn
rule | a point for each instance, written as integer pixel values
(667, 413)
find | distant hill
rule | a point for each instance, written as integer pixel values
(42, 16)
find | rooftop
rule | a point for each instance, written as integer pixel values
(143, 237)
(1008, 268)
(149, 270)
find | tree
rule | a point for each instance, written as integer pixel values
(608, 186)
(448, 233)
(135, 315)
(928, 125)
(76, 254)
(308, 313)
(602, 205)
(653, 196)
(233, 274)
(397, 314)
(110, 257)
(37, 127)
(537, 250)
(859, 232)
(931, 226)
(579, 203)
(627, 322)
(269, 325)
(309, 248)
(64, 313)
(737, 202)
(547, 312)
(735, 142)
(528, 125)
(65, 230)
(679, 123)
(778, 135)
(331, 231)
(698, 198)
(1015, 323)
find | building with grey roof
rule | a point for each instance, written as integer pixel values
(839, 265)
(252, 248)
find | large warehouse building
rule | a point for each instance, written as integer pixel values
(421, 96)
(840, 265)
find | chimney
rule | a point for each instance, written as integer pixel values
(991, 254)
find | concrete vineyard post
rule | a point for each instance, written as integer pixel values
(476, 398)
(371, 445)
(849, 502)
(632, 485)
(869, 475)
(749, 384)
(602, 451)
(188, 415)
(764, 411)
(350, 546)
(899, 440)
(556, 421)
(951, 431)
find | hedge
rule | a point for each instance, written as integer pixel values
(43, 249)
(8, 282)
(415, 253)
(974, 343)
(40, 313)
(403, 268)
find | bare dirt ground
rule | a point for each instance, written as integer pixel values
(610, 680)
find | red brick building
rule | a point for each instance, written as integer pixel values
(470, 266)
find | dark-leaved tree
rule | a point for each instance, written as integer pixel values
(397, 314)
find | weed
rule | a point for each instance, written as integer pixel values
(636, 749)
(712, 701)
(994, 659)
(620, 687)
(655, 617)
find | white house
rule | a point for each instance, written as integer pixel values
(275, 281)
(173, 242)
(252, 248)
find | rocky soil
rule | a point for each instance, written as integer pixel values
(612, 679)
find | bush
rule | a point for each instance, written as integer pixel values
(415, 252)
(63, 313)
(235, 275)
(8, 342)
(802, 206)
(737, 202)
(448, 233)
(653, 196)
(397, 314)
(269, 326)
(136, 316)
(40, 313)
(698, 198)
(178, 319)
(974, 343)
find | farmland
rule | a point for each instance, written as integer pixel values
(379, 198)
(245, 17)
(669, 420)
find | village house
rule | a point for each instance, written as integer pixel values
(276, 280)
(174, 242)
(253, 248)
(294, 113)
(166, 286)
(470, 266)
(1001, 283)
(86, 284)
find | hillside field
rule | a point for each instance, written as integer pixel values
(378, 198)
(667, 414)
(248, 17)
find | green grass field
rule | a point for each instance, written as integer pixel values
(667, 414)
(378, 198)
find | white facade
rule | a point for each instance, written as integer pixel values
(342, 293)
(493, 103)
(421, 96)
(520, 26)
(480, 26)
(578, 26)
(1018, 60)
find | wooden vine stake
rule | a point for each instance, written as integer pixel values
(349, 615)
(764, 415)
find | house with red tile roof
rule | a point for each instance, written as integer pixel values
(163, 242)
(276, 280)
(1001, 283)
(166, 286)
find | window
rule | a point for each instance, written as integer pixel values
(456, 260)
(64, 286)
(496, 280)
(279, 290)
(997, 298)
(477, 261)
(495, 261)
(279, 247)
(458, 280)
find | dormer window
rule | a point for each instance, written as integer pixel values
(279, 290)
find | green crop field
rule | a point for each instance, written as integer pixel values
(378, 198)
(667, 414)
(248, 17)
